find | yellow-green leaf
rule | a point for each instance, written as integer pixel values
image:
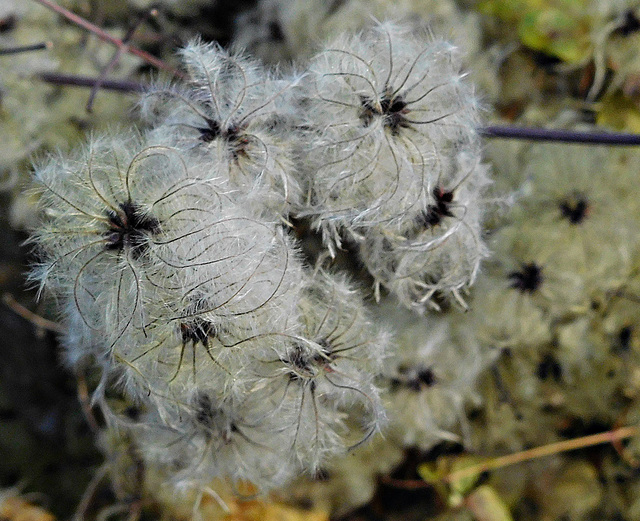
(486, 505)
(619, 112)
(463, 486)
(457, 489)
(557, 32)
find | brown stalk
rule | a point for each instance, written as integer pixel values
(544, 450)
(100, 33)
(116, 57)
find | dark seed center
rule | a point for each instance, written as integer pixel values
(211, 131)
(129, 228)
(205, 411)
(213, 419)
(197, 332)
(624, 338)
(393, 108)
(233, 135)
(306, 364)
(435, 212)
(415, 379)
(549, 367)
(630, 25)
(528, 279)
(574, 209)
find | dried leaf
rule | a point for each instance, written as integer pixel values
(17, 509)
(271, 511)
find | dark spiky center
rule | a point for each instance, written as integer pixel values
(211, 131)
(197, 332)
(425, 378)
(305, 363)
(206, 413)
(276, 34)
(574, 209)
(438, 210)
(392, 107)
(624, 338)
(211, 417)
(528, 279)
(234, 136)
(8, 23)
(415, 379)
(300, 362)
(129, 227)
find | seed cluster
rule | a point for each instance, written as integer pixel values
(169, 248)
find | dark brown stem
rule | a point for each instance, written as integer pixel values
(100, 33)
(26, 48)
(102, 77)
(87, 81)
(36, 320)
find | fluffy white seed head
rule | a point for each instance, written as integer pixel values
(394, 162)
(321, 380)
(432, 376)
(211, 436)
(436, 248)
(152, 258)
(233, 114)
(389, 109)
(307, 393)
(168, 253)
(210, 333)
(100, 214)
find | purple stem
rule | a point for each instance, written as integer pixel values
(559, 135)
(25, 48)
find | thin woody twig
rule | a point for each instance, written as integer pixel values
(560, 135)
(100, 33)
(116, 57)
(90, 492)
(26, 48)
(85, 402)
(87, 81)
(617, 444)
(544, 450)
(36, 320)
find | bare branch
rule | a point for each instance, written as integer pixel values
(560, 135)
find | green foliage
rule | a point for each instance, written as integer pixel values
(558, 28)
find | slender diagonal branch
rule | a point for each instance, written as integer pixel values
(560, 135)
(29, 315)
(116, 56)
(100, 33)
(544, 450)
